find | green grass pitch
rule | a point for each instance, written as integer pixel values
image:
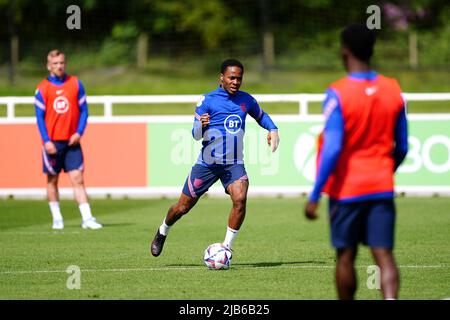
(278, 254)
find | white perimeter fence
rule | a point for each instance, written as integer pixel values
(303, 99)
(108, 101)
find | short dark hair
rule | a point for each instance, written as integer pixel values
(359, 40)
(231, 63)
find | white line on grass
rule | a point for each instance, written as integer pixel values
(33, 233)
(203, 268)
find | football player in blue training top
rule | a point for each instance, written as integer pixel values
(220, 122)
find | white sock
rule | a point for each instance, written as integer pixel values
(164, 228)
(230, 236)
(55, 210)
(85, 211)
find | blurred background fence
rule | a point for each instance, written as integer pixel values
(285, 34)
(128, 52)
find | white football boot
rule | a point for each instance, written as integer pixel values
(91, 224)
(58, 225)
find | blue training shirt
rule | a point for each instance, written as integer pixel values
(223, 138)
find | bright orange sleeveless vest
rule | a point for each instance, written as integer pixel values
(62, 111)
(370, 109)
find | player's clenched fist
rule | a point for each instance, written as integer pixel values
(311, 210)
(74, 139)
(50, 148)
(204, 119)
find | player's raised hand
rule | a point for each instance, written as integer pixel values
(311, 210)
(50, 148)
(74, 139)
(273, 140)
(204, 119)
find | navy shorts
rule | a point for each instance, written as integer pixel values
(67, 158)
(201, 178)
(369, 222)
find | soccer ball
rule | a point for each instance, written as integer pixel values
(217, 257)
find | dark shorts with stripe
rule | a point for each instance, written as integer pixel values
(369, 222)
(67, 158)
(201, 178)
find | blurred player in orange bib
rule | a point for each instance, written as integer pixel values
(363, 143)
(61, 113)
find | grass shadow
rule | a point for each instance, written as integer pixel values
(278, 264)
(108, 225)
(261, 264)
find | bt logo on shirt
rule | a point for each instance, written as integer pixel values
(61, 104)
(233, 124)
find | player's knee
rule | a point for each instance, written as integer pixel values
(346, 256)
(52, 179)
(77, 179)
(182, 209)
(239, 202)
(78, 182)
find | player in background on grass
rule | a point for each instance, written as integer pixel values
(61, 113)
(363, 143)
(220, 122)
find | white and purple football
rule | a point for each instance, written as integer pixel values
(217, 257)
